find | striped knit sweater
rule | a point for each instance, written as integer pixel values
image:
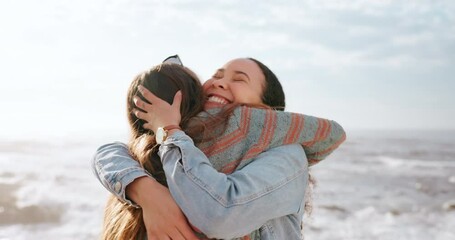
(251, 131)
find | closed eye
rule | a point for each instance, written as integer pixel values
(241, 76)
(239, 80)
(218, 74)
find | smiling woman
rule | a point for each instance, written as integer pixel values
(233, 83)
(241, 81)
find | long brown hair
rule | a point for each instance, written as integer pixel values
(125, 222)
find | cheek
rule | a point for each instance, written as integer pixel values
(260, 94)
(247, 96)
(255, 97)
(253, 94)
(207, 84)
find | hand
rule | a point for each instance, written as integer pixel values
(162, 217)
(159, 113)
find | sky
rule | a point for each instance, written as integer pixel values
(66, 65)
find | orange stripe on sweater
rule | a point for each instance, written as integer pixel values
(331, 148)
(324, 126)
(266, 135)
(293, 130)
(229, 168)
(264, 141)
(300, 128)
(317, 135)
(233, 138)
(327, 130)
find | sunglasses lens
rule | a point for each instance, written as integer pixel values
(173, 59)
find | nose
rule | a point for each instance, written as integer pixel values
(220, 83)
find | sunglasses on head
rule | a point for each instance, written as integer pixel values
(173, 59)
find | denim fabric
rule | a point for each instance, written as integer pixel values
(266, 194)
(229, 206)
(115, 169)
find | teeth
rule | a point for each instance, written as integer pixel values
(217, 100)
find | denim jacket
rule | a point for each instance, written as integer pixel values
(267, 194)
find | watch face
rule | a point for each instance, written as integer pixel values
(160, 135)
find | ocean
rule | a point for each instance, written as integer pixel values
(387, 185)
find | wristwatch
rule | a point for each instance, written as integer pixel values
(161, 133)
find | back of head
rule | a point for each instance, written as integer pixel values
(122, 221)
(164, 81)
(273, 95)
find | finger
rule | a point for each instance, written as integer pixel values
(155, 237)
(176, 235)
(140, 115)
(177, 100)
(186, 230)
(141, 104)
(149, 95)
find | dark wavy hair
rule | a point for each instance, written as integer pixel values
(273, 95)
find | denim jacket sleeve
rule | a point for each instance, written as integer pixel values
(228, 206)
(115, 169)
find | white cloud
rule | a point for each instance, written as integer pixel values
(413, 39)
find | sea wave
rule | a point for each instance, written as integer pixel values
(372, 187)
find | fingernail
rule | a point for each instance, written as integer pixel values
(140, 88)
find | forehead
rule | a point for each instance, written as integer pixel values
(247, 66)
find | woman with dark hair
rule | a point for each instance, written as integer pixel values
(238, 190)
(125, 222)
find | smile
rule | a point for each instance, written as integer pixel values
(217, 99)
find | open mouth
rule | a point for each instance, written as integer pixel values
(217, 99)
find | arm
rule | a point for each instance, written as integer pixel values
(116, 169)
(227, 206)
(319, 137)
(120, 173)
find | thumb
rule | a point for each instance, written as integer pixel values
(177, 100)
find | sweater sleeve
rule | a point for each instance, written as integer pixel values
(251, 131)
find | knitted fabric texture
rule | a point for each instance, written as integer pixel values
(251, 131)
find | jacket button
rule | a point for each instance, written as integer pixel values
(117, 187)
